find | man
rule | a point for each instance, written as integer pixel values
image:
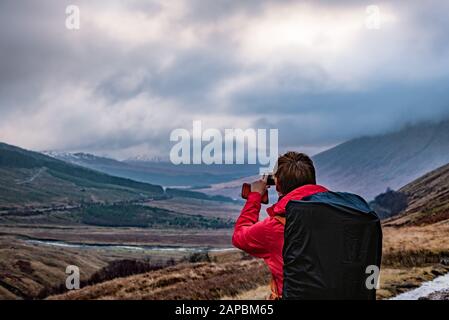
(295, 179)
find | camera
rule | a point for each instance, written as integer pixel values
(246, 188)
(270, 179)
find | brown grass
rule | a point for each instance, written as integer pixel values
(432, 238)
(26, 270)
(122, 236)
(394, 281)
(411, 254)
(428, 199)
(185, 281)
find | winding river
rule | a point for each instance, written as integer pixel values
(128, 247)
(440, 283)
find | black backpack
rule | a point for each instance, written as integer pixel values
(330, 239)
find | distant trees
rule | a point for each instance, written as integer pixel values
(127, 267)
(131, 215)
(173, 192)
(389, 203)
(199, 257)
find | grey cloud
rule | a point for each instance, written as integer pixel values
(38, 56)
(327, 119)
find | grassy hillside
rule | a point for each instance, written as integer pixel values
(193, 281)
(415, 250)
(428, 199)
(369, 165)
(158, 172)
(31, 178)
(406, 264)
(26, 270)
(63, 177)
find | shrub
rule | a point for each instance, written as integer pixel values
(199, 257)
(390, 203)
(115, 269)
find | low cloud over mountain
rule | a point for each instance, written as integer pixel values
(138, 69)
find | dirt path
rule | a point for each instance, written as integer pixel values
(32, 178)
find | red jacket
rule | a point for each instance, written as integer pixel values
(265, 239)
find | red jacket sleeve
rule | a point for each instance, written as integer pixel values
(250, 233)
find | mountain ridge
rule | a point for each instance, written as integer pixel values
(158, 172)
(32, 178)
(369, 165)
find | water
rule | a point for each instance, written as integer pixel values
(438, 284)
(129, 247)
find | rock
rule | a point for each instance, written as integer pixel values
(441, 295)
(437, 272)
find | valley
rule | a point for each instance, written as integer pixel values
(55, 213)
(134, 240)
(233, 275)
(42, 252)
(414, 252)
(158, 172)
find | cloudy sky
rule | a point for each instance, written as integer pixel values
(135, 70)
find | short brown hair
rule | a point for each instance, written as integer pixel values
(294, 170)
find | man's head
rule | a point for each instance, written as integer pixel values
(294, 170)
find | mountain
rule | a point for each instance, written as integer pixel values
(31, 178)
(146, 158)
(370, 165)
(83, 159)
(159, 172)
(428, 200)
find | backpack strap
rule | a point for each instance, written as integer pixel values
(281, 219)
(274, 288)
(274, 291)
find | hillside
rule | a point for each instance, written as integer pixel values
(54, 213)
(158, 172)
(406, 262)
(428, 200)
(369, 165)
(29, 178)
(33, 179)
(204, 280)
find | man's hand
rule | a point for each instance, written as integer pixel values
(259, 186)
